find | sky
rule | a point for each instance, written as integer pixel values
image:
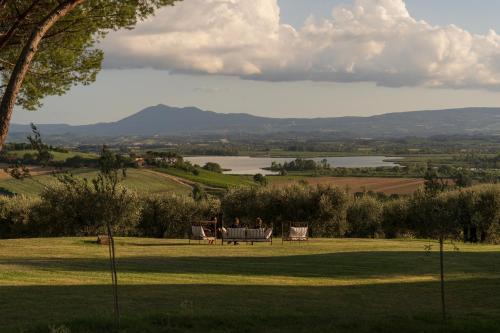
(294, 58)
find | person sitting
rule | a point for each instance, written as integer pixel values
(236, 225)
(258, 225)
(210, 231)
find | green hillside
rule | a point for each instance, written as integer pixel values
(137, 179)
(209, 178)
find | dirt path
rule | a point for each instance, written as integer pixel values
(186, 183)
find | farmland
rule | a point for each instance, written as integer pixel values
(356, 184)
(57, 156)
(179, 181)
(339, 285)
(137, 179)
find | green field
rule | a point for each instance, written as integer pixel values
(209, 178)
(335, 285)
(137, 179)
(58, 156)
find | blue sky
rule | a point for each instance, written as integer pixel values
(260, 88)
(476, 16)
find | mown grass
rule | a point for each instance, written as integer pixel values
(333, 285)
(212, 179)
(140, 180)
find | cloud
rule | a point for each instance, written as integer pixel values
(370, 40)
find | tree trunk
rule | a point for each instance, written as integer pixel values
(441, 262)
(114, 276)
(24, 62)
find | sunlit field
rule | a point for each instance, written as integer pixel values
(335, 285)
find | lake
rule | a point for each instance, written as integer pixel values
(245, 165)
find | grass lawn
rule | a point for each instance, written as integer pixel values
(335, 285)
(140, 180)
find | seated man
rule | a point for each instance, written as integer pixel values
(259, 225)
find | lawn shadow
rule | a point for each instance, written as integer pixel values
(330, 265)
(394, 307)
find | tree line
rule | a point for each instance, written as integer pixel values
(68, 209)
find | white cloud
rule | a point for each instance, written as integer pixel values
(369, 40)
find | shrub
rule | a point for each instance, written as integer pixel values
(322, 206)
(74, 209)
(214, 167)
(171, 215)
(394, 218)
(364, 217)
(16, 217)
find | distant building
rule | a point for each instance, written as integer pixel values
(140, 162)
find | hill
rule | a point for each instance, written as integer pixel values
(172, 121)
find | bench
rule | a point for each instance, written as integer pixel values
(204, 231)
(247, 235)
(297, 232)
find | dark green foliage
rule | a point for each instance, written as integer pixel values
(462, 178)
(199, 192)
(172, 215)
(43, 156)
(324, 207)
(435, 181)
(364, 217)
(301, 164)
(394, 217)
(78, 207)
(17, 217)
(72, 207)
(260, 179)
(214, 167)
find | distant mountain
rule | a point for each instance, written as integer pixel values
(171, 121)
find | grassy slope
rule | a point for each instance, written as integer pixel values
(326, 285)
(208, 178)
(137, 179)
(58, 156)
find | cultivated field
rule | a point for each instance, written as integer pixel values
(357, 184)
(141, 180)
(335, 285)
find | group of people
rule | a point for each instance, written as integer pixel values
(209, 229)
(259, 224)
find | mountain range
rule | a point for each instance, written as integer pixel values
(164, 120)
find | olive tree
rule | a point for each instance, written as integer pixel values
(431, 216)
